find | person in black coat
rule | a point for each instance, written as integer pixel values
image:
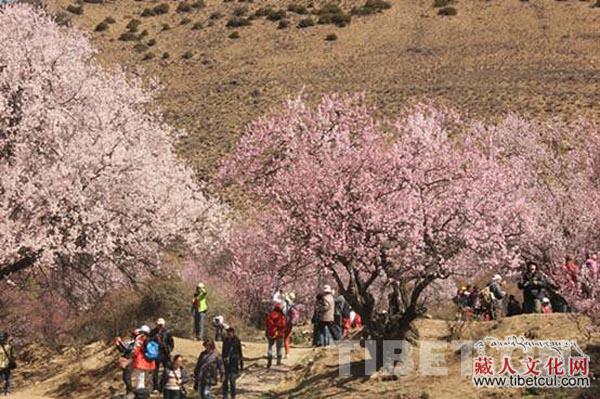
(166, 343)
(233, 360)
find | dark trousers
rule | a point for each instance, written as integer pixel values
(199, 324)
(205, 392)
(229, 384)
(5, 376)
(155, 374)
(170, 394)
(127, 378)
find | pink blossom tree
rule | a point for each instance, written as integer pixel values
(91, 191)
(386, 210)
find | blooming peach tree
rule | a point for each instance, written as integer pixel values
(91, 191)
(386, 210)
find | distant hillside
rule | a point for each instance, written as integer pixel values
(538, 57)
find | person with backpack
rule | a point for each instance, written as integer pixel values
(124, 362)
(7, 362)
(143, 362)
(209, 369)
(276, 328)
(326, 315)
(316, 321)
(233, 362)
(199, 309)
(532, 283)
(166, 344)
(341, 312)
(292, 318)
(490, 297)
(174, 378)
(220, 327)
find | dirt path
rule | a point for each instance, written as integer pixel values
(94, 375)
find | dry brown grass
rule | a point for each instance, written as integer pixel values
(538, 58)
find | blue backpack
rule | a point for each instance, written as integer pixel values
(152, 350)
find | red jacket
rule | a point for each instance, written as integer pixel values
(138, 360)
(276, 324)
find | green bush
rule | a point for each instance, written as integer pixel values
(187, 55)
(197, 25)
(151, 42)
(94, 1)
(128, 36)
(148, 56)
(165, 55)
(148, 13)
(185, 21)
(448, 11)
(143, 34)
(332, 14)
(216, 15)
(234, 35)
(283, 24)
(305, 23)
(166, 27)
(109, 20)
(198, 4)
(161, 9)
(74, 9)
(331, 37)
(184, 7)
(101, 27)
(237, 22)
(297, 8)
(133, 25)
(276, 15)
(140, 47)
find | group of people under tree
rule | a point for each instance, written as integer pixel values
(333, 317)
(540, 291)
(150, 350)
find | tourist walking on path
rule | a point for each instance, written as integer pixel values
(276, 327)
(326, 315)
(233, 361)
(142, 363)
(199, 309)
(209, 369)
(292, 314)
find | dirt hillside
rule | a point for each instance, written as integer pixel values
(312, 373)
(537, 57)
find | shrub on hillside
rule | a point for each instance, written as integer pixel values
(197, 25)
(187, 55)
(305, 23)
(151, 42)
(597, 4)
(237, 22)
(166, 27)
(216, 15)
(371, 7)
(441, 3)
(165, 55)
(234, 35)
(332, 14)
(109, 20)
(297, 8)
(184, 7)
(75, 9)
(240, 11)
(331, 37)
(185, 21)
(198, 4)
(148, 56)
(101, 27)
(161, 9)
(94, 1)
(148, 12)
(283, 24)
(133, 25)
(263, 11)
(128, 36)
(276, 15)
(140, 48)
(448, 11)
